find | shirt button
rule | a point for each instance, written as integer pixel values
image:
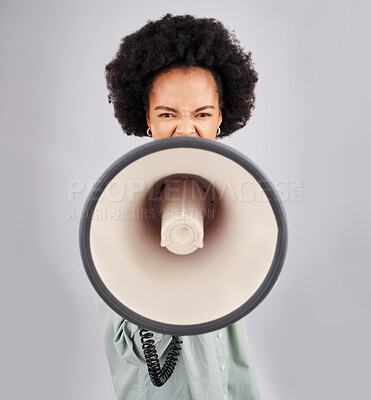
(220, 335)
(225, 397)
(222, 366)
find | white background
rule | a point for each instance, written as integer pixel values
(310, 337)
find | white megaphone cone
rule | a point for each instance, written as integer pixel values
(180, 247)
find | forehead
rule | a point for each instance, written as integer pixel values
(178, 83)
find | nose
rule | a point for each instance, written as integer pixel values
(185, 127)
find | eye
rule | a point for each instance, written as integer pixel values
(165, 115)
(203, 115)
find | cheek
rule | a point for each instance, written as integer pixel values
(157, 126)
(210, 134)
(209, 129)
(161, 130)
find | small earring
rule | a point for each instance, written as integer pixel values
(148, 132)
(218, 131)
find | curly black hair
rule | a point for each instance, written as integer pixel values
(180, 41)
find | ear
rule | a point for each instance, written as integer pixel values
(220, 116)
(147, 117)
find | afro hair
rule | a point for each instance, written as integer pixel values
(180, 41)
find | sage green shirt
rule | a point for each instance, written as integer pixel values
(212, 366)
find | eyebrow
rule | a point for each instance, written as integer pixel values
(174, 110)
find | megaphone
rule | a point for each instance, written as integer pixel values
(183, 236)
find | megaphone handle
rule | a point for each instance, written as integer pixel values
(158, 375)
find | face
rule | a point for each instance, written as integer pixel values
(184, 102)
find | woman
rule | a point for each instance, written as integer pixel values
(181, 76)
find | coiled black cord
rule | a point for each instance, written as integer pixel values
(159, 376)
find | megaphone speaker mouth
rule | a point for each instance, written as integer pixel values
(185, 204)
(181, 247)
